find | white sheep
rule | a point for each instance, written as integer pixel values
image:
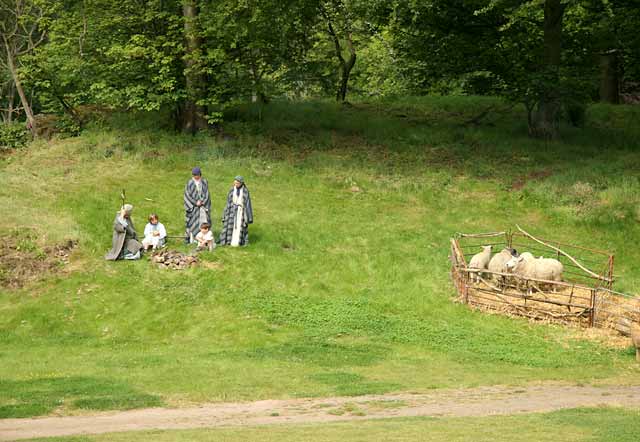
(480, 261)
(511, 263)
(527, 255)
(527, 266)
(499, 260)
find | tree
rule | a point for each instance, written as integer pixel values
(193, 118)
(250, 43)
(339, 20)
(21, 31)
(440, 40)
(125, 55)
(538, 52)
(616, 41)
(8, 94)
(543, 122)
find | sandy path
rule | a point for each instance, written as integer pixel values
(465, 402)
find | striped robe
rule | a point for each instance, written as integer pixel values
(229, 218)
(195, 215)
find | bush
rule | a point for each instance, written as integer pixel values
(575, 113)
(65, 125)
(13, 135)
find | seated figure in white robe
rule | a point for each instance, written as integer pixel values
(154, 233)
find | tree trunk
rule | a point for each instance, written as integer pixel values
(193, 115)
(31, 122)
(257, 93)
(11, 96)
(609, 77)
(545, 118)
(346, 66)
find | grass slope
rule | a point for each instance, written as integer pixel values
(340, 292)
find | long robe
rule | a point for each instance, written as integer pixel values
(194, 215)
(232, 223)
(125, 239)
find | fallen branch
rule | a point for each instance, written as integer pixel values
(585, 312)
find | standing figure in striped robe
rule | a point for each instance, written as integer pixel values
(237, 215)
(197, 204)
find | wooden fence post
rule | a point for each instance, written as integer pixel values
(592, 314)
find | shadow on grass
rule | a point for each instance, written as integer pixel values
(41, 396)
(324, 354)
(353, 384)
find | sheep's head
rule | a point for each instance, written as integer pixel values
(513, 263)
(508, 251)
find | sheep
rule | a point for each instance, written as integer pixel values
(527, 266)
(514, 260)
(556, 268)
(527, 255)
(480, 261)
(499, 260)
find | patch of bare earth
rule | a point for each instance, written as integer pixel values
(22, 264)
(481, 401)
(537, 175)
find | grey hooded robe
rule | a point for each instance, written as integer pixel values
(229, 218)
(124, 240)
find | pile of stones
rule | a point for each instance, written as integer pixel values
(172, 259)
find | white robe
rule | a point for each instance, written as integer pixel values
(238, 198)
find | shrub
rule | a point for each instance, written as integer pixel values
(576, 113)
(65, 125)
(13, 135)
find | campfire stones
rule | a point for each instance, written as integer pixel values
(172, 259)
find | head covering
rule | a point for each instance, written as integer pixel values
(127, 208)
(239, 178)
(196, 171)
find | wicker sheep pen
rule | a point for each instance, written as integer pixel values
(585, 296)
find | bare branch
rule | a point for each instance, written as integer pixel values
(571, 258)
(333, 34)
(83, 34)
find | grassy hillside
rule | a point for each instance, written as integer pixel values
(344, 288)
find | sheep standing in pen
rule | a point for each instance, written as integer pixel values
(480, 261)
(527, 266)
(499, 260)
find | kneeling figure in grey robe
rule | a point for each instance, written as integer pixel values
(124, 243)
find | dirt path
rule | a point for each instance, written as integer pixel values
(468, 402)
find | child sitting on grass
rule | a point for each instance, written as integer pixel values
(154, 233)
(205, 238)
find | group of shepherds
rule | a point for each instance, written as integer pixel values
(236, 217)
(524, 265)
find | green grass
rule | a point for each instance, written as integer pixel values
(339, 292)
(593, 425)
